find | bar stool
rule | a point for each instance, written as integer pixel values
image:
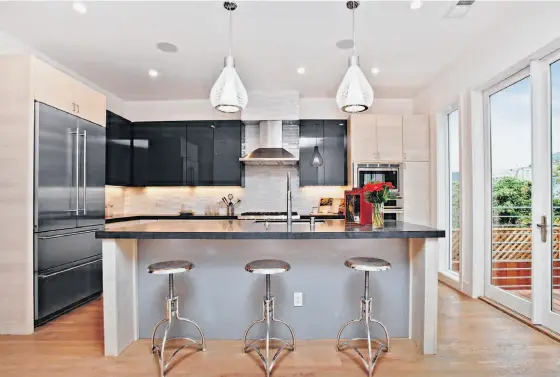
(170, 268)
(268, 267)
(367, 265)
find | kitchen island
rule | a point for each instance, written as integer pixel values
(223, 299)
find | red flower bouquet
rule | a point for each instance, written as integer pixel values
(378, 193)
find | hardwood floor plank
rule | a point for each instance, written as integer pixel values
(475, 340)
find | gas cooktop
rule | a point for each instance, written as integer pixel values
(266, 215)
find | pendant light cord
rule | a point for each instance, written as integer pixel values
(230, 31)
(353, 31)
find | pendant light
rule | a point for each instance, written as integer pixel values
(228, 94)
(316, 158)
(354, 94)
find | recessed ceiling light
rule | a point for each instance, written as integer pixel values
(79, 7)
(345, 44)
(375, 71)
(415, 4)
(167, 47)
(153, 73)
(301, 70)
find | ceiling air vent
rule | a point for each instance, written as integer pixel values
(460, 9)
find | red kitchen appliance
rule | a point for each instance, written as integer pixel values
(356, 210)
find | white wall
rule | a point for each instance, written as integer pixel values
(201, 109)
(529, 30)
(12, 46)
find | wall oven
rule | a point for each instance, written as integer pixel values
(363, 173)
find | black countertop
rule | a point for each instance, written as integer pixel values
(117, 219)
(248, 229)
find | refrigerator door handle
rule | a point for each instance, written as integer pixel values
(67, 234)
(77, 179)
(44, 276)
(84, 173)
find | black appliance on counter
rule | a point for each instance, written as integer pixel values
(69, 207)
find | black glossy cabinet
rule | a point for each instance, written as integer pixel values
(118, 152)
(159, 154)
(181, 153)
(330, 137)
(227, 170)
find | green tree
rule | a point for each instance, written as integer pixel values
(455, 204)
(512, 201)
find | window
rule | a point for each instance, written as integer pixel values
(555, 125)
(454, 191)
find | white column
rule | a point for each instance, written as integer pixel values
(120, 297)
(424, 294)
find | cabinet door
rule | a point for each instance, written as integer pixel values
(389, 137)
(200, 153)
(310, 134)
(416, 138)
(159, 154)
(52, 86)
(416, 192)
(334, 146)
(119, 151)
(363, 138)
(90, 104)
(227, 169)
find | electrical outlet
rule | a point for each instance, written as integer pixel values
(298, 299)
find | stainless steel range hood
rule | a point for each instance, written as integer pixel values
(270, 151)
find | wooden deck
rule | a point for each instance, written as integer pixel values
(555, 297)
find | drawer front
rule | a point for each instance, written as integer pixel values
(58, 249)
(62, 289)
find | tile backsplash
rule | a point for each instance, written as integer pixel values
(265, 190)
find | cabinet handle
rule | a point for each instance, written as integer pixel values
(404, 155)
(78, 106)
(73, 106)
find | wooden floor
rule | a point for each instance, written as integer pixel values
(474, 340)
(526, 294)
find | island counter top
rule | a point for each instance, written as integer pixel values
(249, 229)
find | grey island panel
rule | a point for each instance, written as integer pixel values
(248, 229)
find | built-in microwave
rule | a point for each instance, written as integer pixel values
(363, 173)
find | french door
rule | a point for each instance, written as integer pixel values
(523, 193)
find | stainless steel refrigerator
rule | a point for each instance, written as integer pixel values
(69, 208)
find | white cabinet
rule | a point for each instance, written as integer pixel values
(59, 90)
(375, 138)
(416, 192)
(362, 136)
(416, 138)
(389, 137)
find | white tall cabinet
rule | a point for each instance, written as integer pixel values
(23, 79)
(396, 139)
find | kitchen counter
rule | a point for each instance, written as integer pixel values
(405, 297)
(116, 219)
(249, 229)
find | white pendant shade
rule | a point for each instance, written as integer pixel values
(228, 94)
(354, 94)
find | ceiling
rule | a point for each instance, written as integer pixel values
(113, 44)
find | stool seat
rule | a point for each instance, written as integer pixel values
(367, 264)
(267, 266)
(170, 267)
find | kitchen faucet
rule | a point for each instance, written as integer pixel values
(289, 202)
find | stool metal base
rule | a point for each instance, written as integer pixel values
(172, 316)
(366, 318)
(269, 319)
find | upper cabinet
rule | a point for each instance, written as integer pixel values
(118, 151)
(389, 138)
(416, 138)
(181, 153)
(59, 90)
(330, 138)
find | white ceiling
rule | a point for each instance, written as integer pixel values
(113, 44)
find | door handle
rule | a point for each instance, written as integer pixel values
(44, 276)
(77, 172)
(84, 173)
(544, 228)
(67, 234)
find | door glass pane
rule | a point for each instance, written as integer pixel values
(510, 132)
(454, 191)
(555, 122)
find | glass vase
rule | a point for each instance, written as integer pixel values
(378, 216)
